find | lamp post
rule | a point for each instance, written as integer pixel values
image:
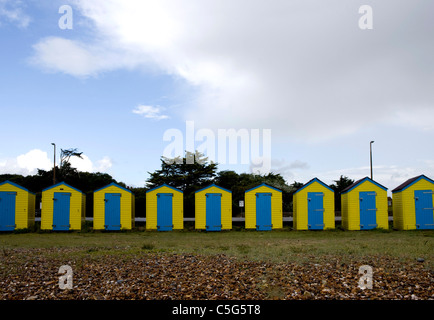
(54, 167)
(370, 147)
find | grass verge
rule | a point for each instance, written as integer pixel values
(275, 246)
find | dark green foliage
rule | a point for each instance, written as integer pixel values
(181, 174)
(187, 174)
(140, 197)
(337, 187)
(240, 183)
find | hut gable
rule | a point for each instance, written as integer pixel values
(364, 205)
(63, 208)
(213, 208)
(313, 206)
(263, 205)
(17, 207)
(164, 208)
(114, 208)
(413, 204)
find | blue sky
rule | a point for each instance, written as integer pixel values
(128, 71)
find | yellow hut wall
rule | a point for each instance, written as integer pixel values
(344, 211)
(276, 207)
(24, 206)
(127, 208)
(133, 211)
(200, 208)
(177, 208)
(31, 210)
(76, 212)
(350, 206)
(300, 206)
(398, 215)
(404, 211)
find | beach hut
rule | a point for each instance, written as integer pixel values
(164, 208)
(63, 208)
(314, 206)
(17, 207)
(263, 208)
(413, 204)
(364, 206)
(213, 208)
(113, 208)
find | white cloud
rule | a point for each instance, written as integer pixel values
(304, 69)
(104, 164)
(30, 162)
(34, 159)
(12, 11)
(68, 56)
(82, 164)
(86, 165)
(27, 164)
(288, 170)
(423, 119)
(81, 59)
(150, 112)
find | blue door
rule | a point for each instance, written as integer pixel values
(315, 211)
(368, 210)
(424, 209)
(61, 205)
(7, 211)
(213, 212)
(164, 212)
(263, 211)
(112, 211)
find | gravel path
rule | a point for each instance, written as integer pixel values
(33, 274)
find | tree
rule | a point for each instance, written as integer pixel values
(66, 170)
(240, 183)
(337, 187)
(182, 175)
(188, 176)
(65, 155)
(295, 186)
(341, 184)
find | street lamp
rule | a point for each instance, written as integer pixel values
(370, 147)
(54, 167)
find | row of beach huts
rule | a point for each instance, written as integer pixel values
(364, 206)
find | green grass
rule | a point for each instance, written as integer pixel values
(273, 246)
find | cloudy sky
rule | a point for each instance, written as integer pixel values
(116, 77)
